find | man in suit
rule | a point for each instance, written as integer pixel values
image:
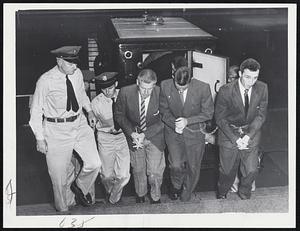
(241, 109)
(185, 104)
(137, 112)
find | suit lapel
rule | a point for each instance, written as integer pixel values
(151, 105)
(188, 98)
(253, 100)
(237, 97)
(135, 104)
(176, 101)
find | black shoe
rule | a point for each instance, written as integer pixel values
(79, 196)
(243, 196)
(175, 194)
(222, 197)
(89, 198)
(155, 202)
(140, 199)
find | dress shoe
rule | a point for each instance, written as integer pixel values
(155, 202)
(175, 194)
(243, 196)
(140, 199)
(89, 198)
(221, 197)
(79, 196)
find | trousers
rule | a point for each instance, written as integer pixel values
(62, 139)
(115, 169)
(230, 160)
(148, 162)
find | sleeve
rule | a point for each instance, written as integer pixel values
(120, 113)
(260, 118)
(221, 112)
(85, 101)
(167, 117)
(207, 108)
(37, 109)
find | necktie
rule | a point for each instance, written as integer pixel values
(246, 101)
(181, 97)
(143, 116)
(116, 125)
(71, 100)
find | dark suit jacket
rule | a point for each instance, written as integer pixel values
(230, 110)
(198, 108)
(128, 116)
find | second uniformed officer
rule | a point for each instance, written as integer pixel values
(112, 144)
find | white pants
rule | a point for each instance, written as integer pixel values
(62, 139)
(115, 158)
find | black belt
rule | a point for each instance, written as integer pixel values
(62, 120)
(112, 133)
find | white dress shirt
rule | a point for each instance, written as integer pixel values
(242, 90)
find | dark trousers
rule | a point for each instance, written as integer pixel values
(185, 163)
(230, 160)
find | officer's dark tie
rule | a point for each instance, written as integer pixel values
(116, 125)
(71, 100)
(246, 101)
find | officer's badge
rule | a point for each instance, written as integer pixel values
(104, 78)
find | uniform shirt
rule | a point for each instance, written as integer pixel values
(50, 98)
(242, 90)
(102, 108)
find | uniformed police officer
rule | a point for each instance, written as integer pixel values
(60, 127)
(112, 144)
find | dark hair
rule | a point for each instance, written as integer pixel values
(250, 64)
(179, 61)
(182, 76)
(147, 76)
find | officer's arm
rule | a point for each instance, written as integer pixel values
(37, 109)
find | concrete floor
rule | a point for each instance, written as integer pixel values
(263, 200)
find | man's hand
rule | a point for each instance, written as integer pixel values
(246, 139)
(92, 119)
(180, 123)
(138, 139)
(41, 146)
(241, 144)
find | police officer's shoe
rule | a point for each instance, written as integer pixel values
(140, 199)
(155, 202)
(79, 196)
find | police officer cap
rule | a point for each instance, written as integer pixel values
(106, 79)
(68, 53)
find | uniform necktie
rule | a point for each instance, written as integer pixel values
(143, 116)
(71, 100)
(181, 97)
(116, 125)
(246, 101)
